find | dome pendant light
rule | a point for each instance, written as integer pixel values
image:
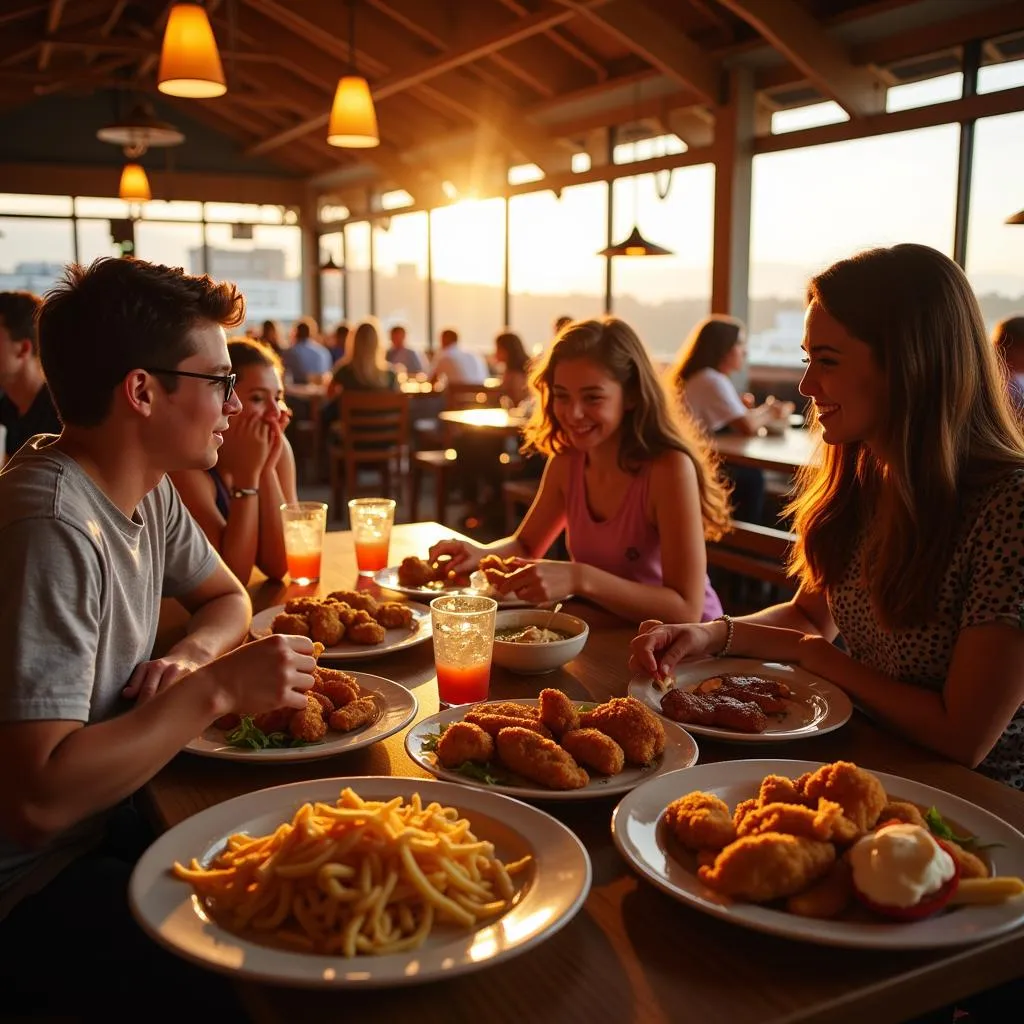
(353, 121)
(134, 184)
(189, 61)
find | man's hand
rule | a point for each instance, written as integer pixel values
(150, 677)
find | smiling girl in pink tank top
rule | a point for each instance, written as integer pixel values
(627, 479)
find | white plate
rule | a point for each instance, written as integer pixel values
(388, 579)
(394, 639)
(680, 752)
(396, 708)
(642, 839)
(554, 890)
(820, 706)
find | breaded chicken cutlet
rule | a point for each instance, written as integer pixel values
(539, 759)
(631, 725)
(768, 867)
(700, 821)
(462, 742)
(594, 750)
(558, 712)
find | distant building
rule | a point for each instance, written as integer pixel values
(232, 265)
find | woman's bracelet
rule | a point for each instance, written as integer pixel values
(729, 628)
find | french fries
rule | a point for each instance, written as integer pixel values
(356, 877)
(987, 890)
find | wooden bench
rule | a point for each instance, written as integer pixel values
(752, 552)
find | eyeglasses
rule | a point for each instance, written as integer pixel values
(226, 380)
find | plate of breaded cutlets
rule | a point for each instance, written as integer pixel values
(351, 624)
(551, 747)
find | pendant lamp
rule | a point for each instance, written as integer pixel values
(189, 61)
(134, 184)
(353, 121)
(329, 266)
(1017, 218)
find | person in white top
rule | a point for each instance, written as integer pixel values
(716, 347)
(456, 364)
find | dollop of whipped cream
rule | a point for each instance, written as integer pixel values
(900, 865)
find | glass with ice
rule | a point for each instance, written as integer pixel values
(463, 628)
(371, 520)
(304, 523)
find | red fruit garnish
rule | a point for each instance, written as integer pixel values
(931, 904)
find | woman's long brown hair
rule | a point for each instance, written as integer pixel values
(650, 426)
(708, 344)
(947, 429)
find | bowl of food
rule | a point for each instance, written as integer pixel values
(532, 641)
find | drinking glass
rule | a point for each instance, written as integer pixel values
(463, 641)
(371, 520)
(304, 523)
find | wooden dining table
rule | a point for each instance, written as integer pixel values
(784, 453)
(491, 420)
(632, 954)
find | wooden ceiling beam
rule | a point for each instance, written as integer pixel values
(653, 37)
(571, 46)
(53, 16)
(94, 42)
(803, 41)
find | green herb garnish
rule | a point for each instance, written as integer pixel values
(479, 772)
(247, 736)
(431, 740)
(938, 826)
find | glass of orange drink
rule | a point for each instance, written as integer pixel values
(463, 628)
(371, 520)
(304, 523)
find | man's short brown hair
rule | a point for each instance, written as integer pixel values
(119, 315)
(18, 315)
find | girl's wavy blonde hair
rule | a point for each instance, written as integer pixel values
(947, 429)
(651, 423)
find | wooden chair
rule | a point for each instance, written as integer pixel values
(752, 552)
(374, 433)
(517, 496)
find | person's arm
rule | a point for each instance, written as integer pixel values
(67, 770)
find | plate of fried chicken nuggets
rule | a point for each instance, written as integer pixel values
(421, 577)
(550, 747)
(763, 844)
(744, 700)
(351, 624)
(344, 711)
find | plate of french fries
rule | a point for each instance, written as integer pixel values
(769, 845)
(359, 882)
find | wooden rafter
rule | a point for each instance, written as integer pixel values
(53, 16)
(799, 37)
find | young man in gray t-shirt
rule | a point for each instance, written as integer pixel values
(92, 536)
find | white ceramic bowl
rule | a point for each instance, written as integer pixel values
(535, 659)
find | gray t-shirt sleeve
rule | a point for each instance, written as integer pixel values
(189, 556)
(49, 621)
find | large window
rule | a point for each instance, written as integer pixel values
(33, 252)
(357, 271)
(663, 296)
(813, 206)
(400, 269)
(554, 269)
(468, 242)
(175, 245)
(995, 249)
(332, 282)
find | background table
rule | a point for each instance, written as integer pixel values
(785, 453)
(495, 420)
(632, 954)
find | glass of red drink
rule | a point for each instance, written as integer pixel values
(463, 628)
(304, 524)
(371, 520)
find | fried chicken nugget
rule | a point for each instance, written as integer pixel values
(301, 605)
(970, 864)
(631, 725)
(539, 759)
(777, 789)
(394, 615)
(900, 810)
(291, 625)
(493, 724)
(828, 897)
(354, 616)
(355, 599)
(415, 572)
(353, 715)
(511, 709)
(700, 821)
(462, 742)
(858, 792)
(325, 626)
(366, 633)
(308, 724)
(594, 750)
(825, 823)
(277, 720)
(743, 808)
(559, 713)
(768, 867)
(325, 702)
(338, 686)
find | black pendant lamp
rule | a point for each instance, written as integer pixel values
(635, 245)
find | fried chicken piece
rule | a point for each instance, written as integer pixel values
(308, 724)
(700, 821)
(493, 724)
(826, 823)
(393, 615)
(353, 716)
(338, 686)
(800, 784)
(858, 792)
(901, 810)
(558, 713)
(301, 605)
(706, 858)
(325, 702)
(777, 789)
(712, 709)
(277, 720)
(290, 625)
(768, 867)
(324, 625)
(318, 649)
(743, 808)
(464, 741)
(354, 616)
(355, 599)
(366, 633)
(415, 572)
(828, 897)
(495, 568)
(594, 750)
(970, 864)
(511, 709)
(539, 759)
(631, 725)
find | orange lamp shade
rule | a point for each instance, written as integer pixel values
(189, 62)
(135, 184)
(353, 122)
